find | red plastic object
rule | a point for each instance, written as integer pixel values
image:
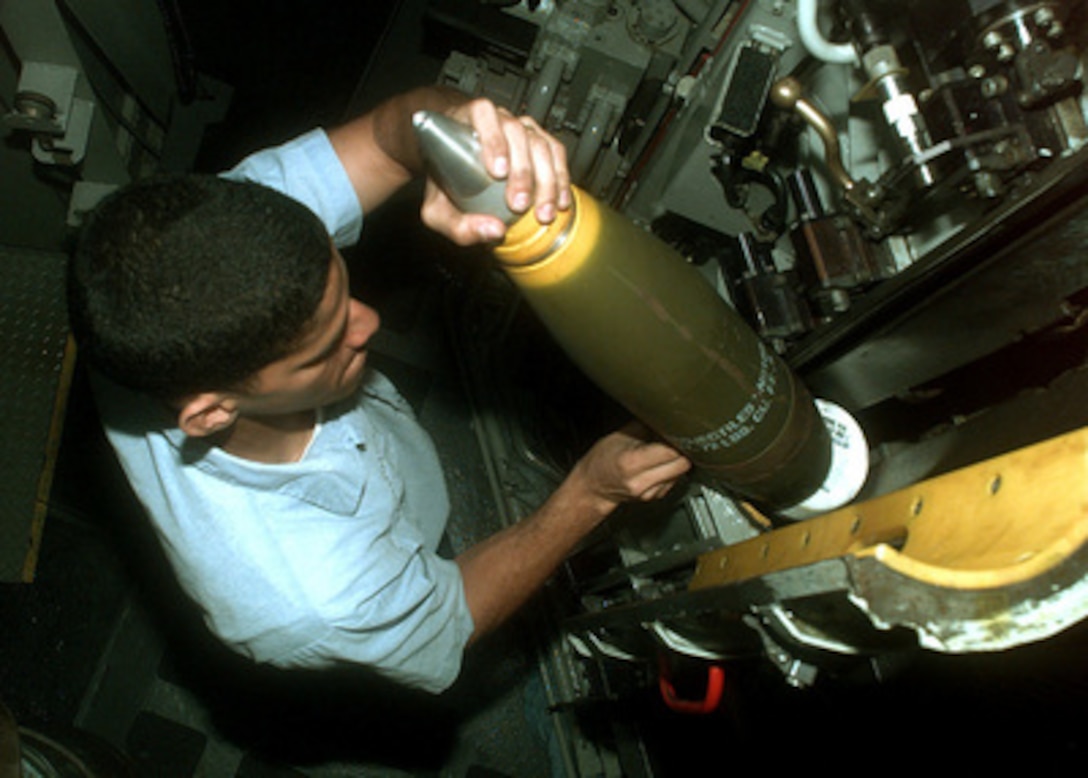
(715, 684)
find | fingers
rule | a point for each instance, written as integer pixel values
(651, 470)
(443, 216)
(484, 117)
(533, 162)
(656, 492)
(538, 171)
(624, 466)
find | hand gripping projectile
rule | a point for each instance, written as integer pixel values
(650, 330)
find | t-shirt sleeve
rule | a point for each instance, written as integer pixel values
(307, 169)
(396, 608)
(416, 634)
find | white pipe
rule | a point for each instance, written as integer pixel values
(813, 40)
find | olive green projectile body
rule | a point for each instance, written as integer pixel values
(652, 332)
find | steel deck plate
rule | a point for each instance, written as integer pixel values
(35, 371)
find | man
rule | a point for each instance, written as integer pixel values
(298, 500)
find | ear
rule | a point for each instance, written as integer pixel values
(207, 413)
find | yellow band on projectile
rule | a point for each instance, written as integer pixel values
(536, 254)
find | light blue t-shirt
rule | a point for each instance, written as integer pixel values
(327, 560)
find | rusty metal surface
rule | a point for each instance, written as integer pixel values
(952, 620)
(35, 364)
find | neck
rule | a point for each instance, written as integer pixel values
(270, 439)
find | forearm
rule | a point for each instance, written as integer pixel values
(393, 129)
(502, 572)
(379, 149)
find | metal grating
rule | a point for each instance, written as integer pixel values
(35, 371)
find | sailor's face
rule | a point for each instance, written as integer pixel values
(329, 361)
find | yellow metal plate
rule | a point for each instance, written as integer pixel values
(997, 523)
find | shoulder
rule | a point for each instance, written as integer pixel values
(308, 169)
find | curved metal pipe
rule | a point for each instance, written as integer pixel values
(814, 41)
(786, 93)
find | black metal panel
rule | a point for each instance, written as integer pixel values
(34, 376)
(984, 289)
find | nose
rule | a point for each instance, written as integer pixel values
(363, 322)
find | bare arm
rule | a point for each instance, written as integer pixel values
(503, 571)
(380, 154)
(378, 150)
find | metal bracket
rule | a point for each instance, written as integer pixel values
(46, 106)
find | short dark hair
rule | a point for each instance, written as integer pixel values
(193, 283)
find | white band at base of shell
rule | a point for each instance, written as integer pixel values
(849, 465)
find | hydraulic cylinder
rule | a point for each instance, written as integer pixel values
(653, 333)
